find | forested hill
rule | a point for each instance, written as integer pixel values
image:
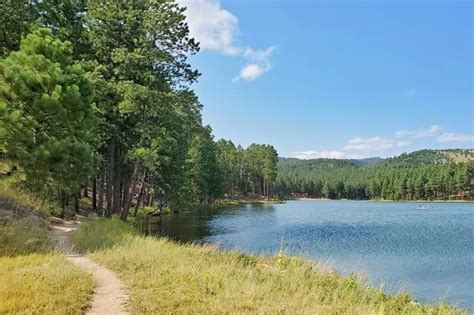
(424, 174)
(433, 157)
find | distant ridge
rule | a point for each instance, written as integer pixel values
(366, 161)
(419, 175)
(420, 157)
(434, 156)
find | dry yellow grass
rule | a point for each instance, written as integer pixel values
(33, 279)
(165, 277)
(42, 284)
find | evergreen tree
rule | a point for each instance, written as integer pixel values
(47, 116)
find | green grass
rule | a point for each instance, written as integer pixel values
(99, 233)
(167, 277)
(42, 284)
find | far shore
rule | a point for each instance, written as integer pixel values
(384, 200)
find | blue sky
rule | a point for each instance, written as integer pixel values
(343, 79)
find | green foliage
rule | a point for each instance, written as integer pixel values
(261, 161)
(421, 175)
(46, 114)
(204, 175)
(249, 171)
(15, 19)
(66, 19)
(130, 60)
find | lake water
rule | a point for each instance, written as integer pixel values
(430, 252)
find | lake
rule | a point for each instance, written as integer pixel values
(429, 252)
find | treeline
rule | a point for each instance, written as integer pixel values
(95, 95)
(247, 172)
(391, 179)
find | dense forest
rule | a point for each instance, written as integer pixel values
(96, 99)
(420, 175)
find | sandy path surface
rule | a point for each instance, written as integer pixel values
(109, 296)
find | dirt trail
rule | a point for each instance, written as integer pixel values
(109, 295)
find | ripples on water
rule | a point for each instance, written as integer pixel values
(428, 251)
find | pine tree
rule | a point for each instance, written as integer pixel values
(47, 118)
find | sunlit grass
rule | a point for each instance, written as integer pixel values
(33, 278)
(101, 233)
(42, 284)
(166, 277)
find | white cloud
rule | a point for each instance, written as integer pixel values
(260, 63)
(420, 133)
(250, 72)
(403, 143)
(259, 55)
(401, 138)
(369, 144)
(360, 147)
(216, 29)
(455, 137)
(212, 26)
(307, 155)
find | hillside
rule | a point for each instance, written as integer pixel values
(420, 175)
(433, 157)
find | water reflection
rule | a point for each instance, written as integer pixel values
(195, 226)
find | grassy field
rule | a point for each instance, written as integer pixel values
(33, 278)
(166, 277)
(42, 284)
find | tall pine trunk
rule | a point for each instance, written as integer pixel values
(110, 178)
(86, 192)
(139, 199)
(77, 196)
(94, 194)
(63, 203)
(100, 204)
(131, 190)
(117, 194)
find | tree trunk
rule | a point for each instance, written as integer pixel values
(125, 199)
(94, 194)
(139, 199)
(150, 200)
(130, 191)
(101, 188)
(86, 193)
(63, 203)
(117, 194)
(110, 178)
(76, 201)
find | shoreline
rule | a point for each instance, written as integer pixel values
(236, 268)
(382, 200)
